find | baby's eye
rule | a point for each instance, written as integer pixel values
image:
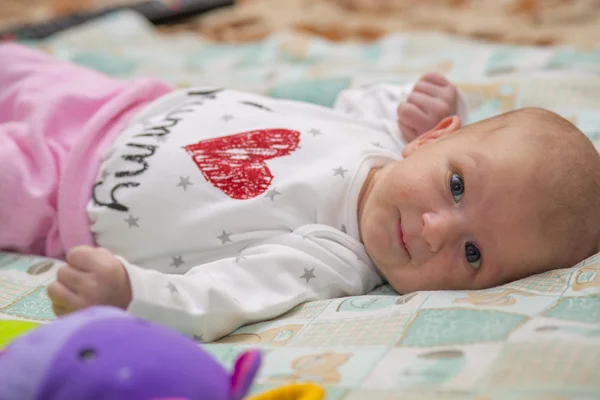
(457, 187)
(473, 255)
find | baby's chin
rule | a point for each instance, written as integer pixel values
(395, 276)
(407, 287)
(407, 278)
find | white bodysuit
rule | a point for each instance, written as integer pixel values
(228, 208)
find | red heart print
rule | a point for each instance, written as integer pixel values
(236, 163)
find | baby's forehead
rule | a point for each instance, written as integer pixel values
(507, 147)
(496, 153)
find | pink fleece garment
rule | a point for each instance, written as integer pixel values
(56, 121)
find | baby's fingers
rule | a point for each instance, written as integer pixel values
(63, 299)
(60, 310)
(435, 79)
(411, 120)
(437, 87)
(413, 114)
(431, 107)
(72, 278)
(79, 258)
(429, 89)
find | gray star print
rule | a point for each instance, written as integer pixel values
(172, 288)
(339, 171)
(377, 144)
(105, 174)
(199, 338)
(238, 258)
(308, 274)
(132, 222)
(177, 261)
(343, 228)
(162, 138)
(314, 132)
(184, 182)
(227, 117)
(224, 237)
(272, 193)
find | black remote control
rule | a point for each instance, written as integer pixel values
(157, 12)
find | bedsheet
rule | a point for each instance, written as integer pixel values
(537, 338)
(532, 22)
(496, 78)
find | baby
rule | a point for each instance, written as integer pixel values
(207, 209)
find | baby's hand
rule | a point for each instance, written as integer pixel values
(432, 99)
(92, 276)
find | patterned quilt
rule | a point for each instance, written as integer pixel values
(538, 338)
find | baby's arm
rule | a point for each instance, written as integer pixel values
(414, 108)
(214, 299)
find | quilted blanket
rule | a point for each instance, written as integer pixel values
(533, 22)
(537, 338)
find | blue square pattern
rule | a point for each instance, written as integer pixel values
(580, 309)
(35, 306)
(438, 327)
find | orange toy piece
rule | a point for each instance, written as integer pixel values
(293, 391)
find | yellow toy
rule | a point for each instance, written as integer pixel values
(293, 391)
(10, 330)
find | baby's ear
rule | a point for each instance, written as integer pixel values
(445, 128)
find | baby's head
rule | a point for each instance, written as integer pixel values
(478, 206)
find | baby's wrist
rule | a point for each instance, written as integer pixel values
(125, 292)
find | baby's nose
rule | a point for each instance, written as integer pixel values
(438, 229)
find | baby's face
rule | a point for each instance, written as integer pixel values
(455, 214)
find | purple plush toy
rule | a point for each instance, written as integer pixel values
(105, 353)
